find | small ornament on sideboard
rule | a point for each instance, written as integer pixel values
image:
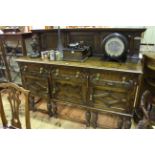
(35, 53)
(77, 51)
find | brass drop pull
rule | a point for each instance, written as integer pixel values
(87, 77)
(57, 72)
(110, 84)
(77, 74)
(135, 83)
(91, 97)
(47, 90)
(54, 91)
(97, 76)
(123, 79)
(67, 78)
(25, 67)
(41, 70)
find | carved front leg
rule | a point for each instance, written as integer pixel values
(32, 103)
(94, 117)
(49, 107)
(88, 116)
(54, 108)
(144, 124)
(120, 124)
(126, 123)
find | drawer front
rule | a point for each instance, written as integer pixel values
(99, 76)
(112, 91)
(38, 86)
(34, 69)
(68, 74)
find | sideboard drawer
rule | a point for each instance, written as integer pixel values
(68, 73)
(97, 76)
(34, 68)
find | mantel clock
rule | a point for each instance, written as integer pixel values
(115, 47)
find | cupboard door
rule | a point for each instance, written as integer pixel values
(68, 84)
(37, 85)
(112, 93)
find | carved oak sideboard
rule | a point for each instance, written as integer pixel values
(97, 86)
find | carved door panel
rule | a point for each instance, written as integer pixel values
(69, 92)
(36, 78)
(115, 93)
(37, 85)
(108, 99)
(68, 84)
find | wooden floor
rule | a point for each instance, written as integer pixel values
(68, 117)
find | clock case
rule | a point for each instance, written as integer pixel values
(123, 56)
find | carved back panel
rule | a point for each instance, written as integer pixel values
(12, 96)
(92, 37)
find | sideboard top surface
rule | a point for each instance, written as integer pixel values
(93, 29)
(15, 34)
(92, 62)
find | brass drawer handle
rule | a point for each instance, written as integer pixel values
(77, 74)
(123, 79)
(57, 72)
(47, 90)
(54, 91)
(67, 78)
(97, 76)
(41, 70)
(110, 84)
(25, 68)
(91, 97)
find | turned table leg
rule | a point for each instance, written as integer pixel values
(94, 118)
(54, 108)
(120, 124)
(126, 123)
(88, 116)
(49, 107)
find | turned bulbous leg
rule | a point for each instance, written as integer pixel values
(88, 116)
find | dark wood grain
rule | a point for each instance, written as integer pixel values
(13, 93)
(95, 85)
(92, 37)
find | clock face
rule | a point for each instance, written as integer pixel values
(114, 47)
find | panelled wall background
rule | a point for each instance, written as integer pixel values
(149, 35)
(147, 41)
(148, 38)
